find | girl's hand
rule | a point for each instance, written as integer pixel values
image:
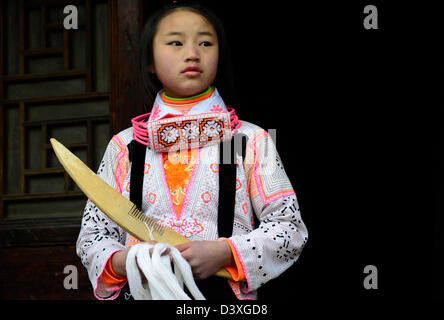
(206, 257)
(118, 260)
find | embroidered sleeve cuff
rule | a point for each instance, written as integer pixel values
(109, 277)
(236, 270)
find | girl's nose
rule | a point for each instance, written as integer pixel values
(192, 54)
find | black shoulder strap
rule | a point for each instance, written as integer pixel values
(227, 189)
(227, 182)
(137, 157)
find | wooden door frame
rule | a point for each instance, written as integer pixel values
(125, 24)
(25, 242)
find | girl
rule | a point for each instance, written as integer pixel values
(184, 64)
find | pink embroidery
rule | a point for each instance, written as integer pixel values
(235, 122)
(121, 167)
(186, 226)
(152, 197)
(216, 108)
(206, 197)
(238, 184)
(257, 177)
(155, 113)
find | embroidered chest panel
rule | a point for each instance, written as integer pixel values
(190, 131)
(186, 202)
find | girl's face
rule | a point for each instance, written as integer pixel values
(186, 53)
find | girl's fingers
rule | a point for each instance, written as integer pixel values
(166, 252)
(152, 242)
(183, 246)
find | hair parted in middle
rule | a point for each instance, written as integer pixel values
(224, 81)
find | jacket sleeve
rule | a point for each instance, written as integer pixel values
(99, 236)
(276, 244)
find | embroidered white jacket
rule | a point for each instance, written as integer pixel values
(262, 188)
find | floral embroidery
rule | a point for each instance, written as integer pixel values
(212, 129)
(185, 226)
(127, 187)
(238, 184)
(122, 162)
(152, 197)
(206, 197)
(245, 207)
(216, 108)
(190, 131)
(214, 167)
(155, 113)
(178, 169)
(146, 168)
(169, 134)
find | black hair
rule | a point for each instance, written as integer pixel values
(224, 81)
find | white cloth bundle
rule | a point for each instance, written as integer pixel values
(162, 282)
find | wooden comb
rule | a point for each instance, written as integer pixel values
(118, 208)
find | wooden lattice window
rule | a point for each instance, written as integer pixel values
(54, 83)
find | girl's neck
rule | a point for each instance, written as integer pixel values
(185, 104)
(185, 99)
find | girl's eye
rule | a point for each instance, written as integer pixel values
(206, 44)
(175, 43)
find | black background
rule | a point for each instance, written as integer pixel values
(358, 115)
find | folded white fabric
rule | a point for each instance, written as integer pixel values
(162, 282)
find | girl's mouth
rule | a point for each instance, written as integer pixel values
(191, 71)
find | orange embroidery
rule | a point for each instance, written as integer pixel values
(178, 169)
(214, 167)
(238, 184)
(152, 197)
(132, 241)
